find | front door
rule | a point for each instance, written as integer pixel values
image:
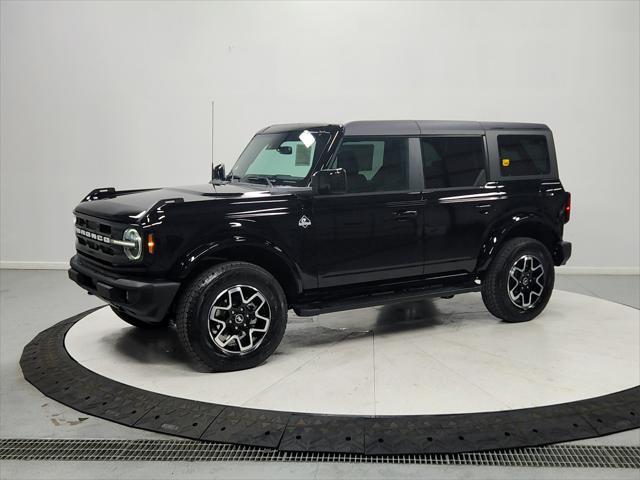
(373, 232)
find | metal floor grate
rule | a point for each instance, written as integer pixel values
(192, 451)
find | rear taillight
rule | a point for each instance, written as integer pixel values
(567, 208)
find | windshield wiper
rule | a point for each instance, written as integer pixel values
(253, 178)
(271, 180)
(284, 179)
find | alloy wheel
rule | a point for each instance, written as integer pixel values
(526, 282)
(239, 319)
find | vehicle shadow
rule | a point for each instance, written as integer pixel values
(413, 315)
(162, 346)
(159, 346)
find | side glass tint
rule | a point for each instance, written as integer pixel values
(522, 155)
(374, 164)
(452, 161)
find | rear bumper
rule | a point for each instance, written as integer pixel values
(148, 301)
(562, 253)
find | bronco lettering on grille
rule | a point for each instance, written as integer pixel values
(93, 236)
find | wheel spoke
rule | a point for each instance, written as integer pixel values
(526, 303)
(244, 348)
(525, 281)
(240, 317)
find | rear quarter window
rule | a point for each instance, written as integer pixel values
(523, 155)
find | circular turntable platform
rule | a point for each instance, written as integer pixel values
(429, 357)
(430, 376)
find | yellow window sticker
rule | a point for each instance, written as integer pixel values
(505, 162)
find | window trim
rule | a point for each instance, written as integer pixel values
(494, 155)
(485, 167)
(524, 140)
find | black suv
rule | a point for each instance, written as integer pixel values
(321, 218)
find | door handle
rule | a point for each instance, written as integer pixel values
(549, 189)
(403, 214)
(484, 209)
(549, 192)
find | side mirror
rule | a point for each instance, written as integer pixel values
(218, 173)
(326, 182)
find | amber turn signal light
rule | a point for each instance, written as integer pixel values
(151, 245)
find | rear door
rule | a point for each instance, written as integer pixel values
(460, 204)
(374, 231)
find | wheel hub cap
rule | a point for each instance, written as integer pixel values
(526, 282)
(239, 319)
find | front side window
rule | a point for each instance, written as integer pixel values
(280, 158)
(452, 161)
(374, 164)
(522, 155)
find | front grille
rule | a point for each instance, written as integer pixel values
(574, 456)
(93, 225)
(96, 246)
(100, 252)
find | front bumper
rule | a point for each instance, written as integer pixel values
(148, 301)
(562, 253)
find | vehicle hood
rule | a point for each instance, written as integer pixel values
(131, 205)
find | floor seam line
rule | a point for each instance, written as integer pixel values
(373, 345)
(297, 369)
(461, 375)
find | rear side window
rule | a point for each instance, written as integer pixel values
(452, 161)
(522, 155)
(375, 164)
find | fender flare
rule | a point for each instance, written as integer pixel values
(504, 230)
(190, 261)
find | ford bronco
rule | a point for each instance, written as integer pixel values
(324, 217)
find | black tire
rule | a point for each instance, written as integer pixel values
(495, 292)
(194, 305)
(139, 323)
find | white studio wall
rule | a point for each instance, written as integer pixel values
(97, 94)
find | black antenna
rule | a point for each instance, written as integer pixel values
(212, 124)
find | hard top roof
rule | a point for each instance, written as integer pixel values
(409, 127)
(417, 127)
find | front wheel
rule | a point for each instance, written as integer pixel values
(232, 317)
(519, 282)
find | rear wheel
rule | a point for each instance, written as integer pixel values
(138, 323)
(519, 282)
(232, 317)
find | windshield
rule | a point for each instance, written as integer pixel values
(280, 158)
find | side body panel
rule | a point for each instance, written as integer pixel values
(464, 227)
(533, 205)
(367, 237)
(456, 223)
(266, 226)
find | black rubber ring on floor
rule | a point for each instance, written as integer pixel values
(47, 365)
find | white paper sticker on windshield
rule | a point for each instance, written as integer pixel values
(307, 138)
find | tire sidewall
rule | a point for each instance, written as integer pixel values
(198, 318)
(514, 313)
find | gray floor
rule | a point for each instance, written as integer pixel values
(32, 300)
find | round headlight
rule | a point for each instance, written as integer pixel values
(132, 235)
